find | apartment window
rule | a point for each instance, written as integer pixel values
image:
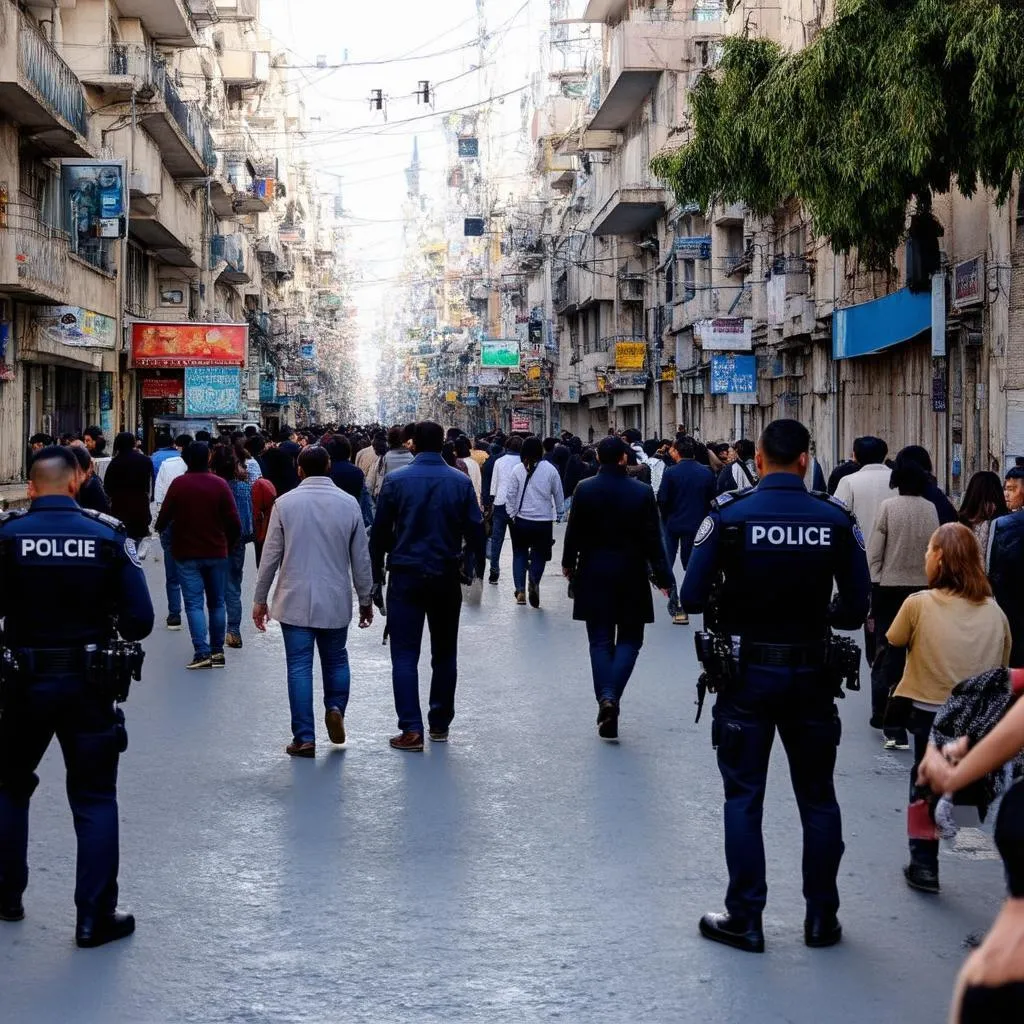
(670, 281)
(689, 279)
(588, 344)
(136, 283)
(40, 192)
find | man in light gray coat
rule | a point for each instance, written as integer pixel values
(317, 540)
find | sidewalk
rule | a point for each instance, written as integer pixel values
(13, 496)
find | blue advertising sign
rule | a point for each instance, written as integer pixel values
(268, 389)
(695, 247)
(731, 375)
(213, 391)
(307, 350)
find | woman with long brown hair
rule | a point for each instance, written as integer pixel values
(952, 631)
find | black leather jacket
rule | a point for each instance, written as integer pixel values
(1006, 573)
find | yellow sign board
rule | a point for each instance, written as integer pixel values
(668, 373)
(451, 397)
(630, 355)
(533, 373)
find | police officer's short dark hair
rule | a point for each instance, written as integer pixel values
(314, 461)
(610, 451)
(784, 441)
(870, 451)
(51, 460)
(428, 436)
(1013, 473)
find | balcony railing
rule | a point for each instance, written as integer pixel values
(125, 59)
(192, 123)
(54, 80)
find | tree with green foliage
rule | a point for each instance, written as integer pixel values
(893, 102)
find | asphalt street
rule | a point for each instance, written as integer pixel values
(526, 871)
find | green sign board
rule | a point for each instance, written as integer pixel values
(501, 353)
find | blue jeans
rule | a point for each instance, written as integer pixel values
(233, 588)
(298, 652)
(612, 658)
(171, 574)
(498, 524)
(531, 547)
(681, 544)
(207, 576)
(412, 600)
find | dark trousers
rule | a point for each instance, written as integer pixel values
(613, 653)
(413, 599)
(91, 736)
(499, 521)
(799, 704)
(681, 544)
(922, 851)
(889, 662)
(531, 550)
(257, 546)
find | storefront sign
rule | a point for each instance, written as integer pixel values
(173, 345)
(695, 247)
(79, 328)
(630, 355)
(94, 200)
(533, 373)
(489, 378)
(969, 282)
(520, 421)
(307, 350)
(213, 391)
(163, 387)
(733, 375)
(938, 315)
(469, 147)
(500, 352)
(451, 397)
(268, 389)
(725, 334)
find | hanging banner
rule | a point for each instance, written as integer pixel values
(173, 345)
(630, 355)
(79, 328)
(213, 391)
(725, 334)
(733, 374)
(696, 247)
(938, 315)
(500, 352)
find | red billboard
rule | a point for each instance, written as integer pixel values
(174, 345)
(163, 387)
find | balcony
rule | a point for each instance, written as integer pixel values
(238, 10)
(38, 90)
(121, 71)
(229, 253)
(602, 10)
(729, 215)
(554, 118)
(245, 67)
(169, 22)
(33, 259)
(630, 211)
(638, 52)
(204, 12)
(181, 132)
(703, 305)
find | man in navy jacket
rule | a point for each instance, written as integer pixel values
(684, 497)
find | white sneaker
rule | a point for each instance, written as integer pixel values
(889, 744)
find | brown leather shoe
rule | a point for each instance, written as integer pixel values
(408, 741)
(301, 749)
(335, 721)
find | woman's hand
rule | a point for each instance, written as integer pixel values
(938, 767)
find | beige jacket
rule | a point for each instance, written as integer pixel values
(863, 493)
(317, 540)
(899, 542)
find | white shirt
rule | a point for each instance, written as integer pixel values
(541, 499)
(170, 470)
(502, 474)
(474, 475)
(863, 493)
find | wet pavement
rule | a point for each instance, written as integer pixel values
(524, 872)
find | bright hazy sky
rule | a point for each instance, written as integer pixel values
(370, 155)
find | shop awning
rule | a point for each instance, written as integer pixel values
(880, 324)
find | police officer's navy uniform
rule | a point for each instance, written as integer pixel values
(780, 549)
(65, 575)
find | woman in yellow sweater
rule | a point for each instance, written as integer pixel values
(952, 631)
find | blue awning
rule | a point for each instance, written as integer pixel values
(881, 323)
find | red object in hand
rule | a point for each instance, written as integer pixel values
(920, 824)
(1017, 681)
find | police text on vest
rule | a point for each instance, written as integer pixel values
(58, 547)
(789, 535)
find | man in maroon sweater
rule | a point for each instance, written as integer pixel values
(201, 512)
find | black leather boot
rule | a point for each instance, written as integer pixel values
(738, 932)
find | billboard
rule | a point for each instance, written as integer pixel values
(630, 355)
(163, 387)
(733, 375)
(77, 327)
(213, 391)
(95, 203)
(500, 353)
(173, 345)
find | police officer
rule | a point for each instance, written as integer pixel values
(66, 574)
(775, 549)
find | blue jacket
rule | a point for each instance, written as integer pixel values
(65, 574)
(424, 513)
(780, 548)
(685, 495)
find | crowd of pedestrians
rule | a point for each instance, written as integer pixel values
(406, 517)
